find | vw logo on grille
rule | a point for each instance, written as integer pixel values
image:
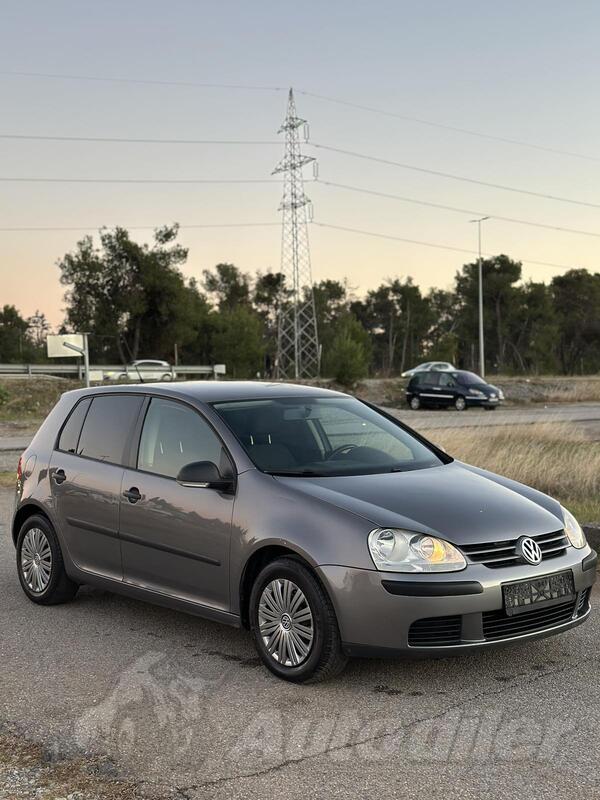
(529, 550)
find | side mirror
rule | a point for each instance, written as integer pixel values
(204, 475)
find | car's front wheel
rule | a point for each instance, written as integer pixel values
(293, 623)
(40, 564)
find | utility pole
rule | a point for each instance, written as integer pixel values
(480, 272)
(298, 354)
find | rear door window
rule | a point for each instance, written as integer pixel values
(431, 379)
(107, 427)
(69, 436)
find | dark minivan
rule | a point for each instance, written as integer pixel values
(460, 389)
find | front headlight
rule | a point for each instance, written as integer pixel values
(573, 529)
(476, 393)
(500, 394)
(402, 551)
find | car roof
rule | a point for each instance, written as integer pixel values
(215, 391)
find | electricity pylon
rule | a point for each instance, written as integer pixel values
(297, 337)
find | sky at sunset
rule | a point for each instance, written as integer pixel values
(526, 71)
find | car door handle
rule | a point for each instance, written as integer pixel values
(59, 476)
(133, 494)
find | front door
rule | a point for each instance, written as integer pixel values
(86, 471)
(175, 539)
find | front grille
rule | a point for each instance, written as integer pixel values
(435, 632)
(504, 554)
(497, 625)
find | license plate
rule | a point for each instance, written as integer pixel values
(539, 592)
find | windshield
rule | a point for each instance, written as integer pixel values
(323, 436)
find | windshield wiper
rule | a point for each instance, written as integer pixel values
(304, 473)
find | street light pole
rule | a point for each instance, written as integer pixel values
(480, 273)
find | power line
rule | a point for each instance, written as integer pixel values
(139, 180)
(330, 148)
(315, 95)
(142, 227)
(126, 140)
(469, 211)
(435, 245)
(150, 82)
(453, 177)
(453, 128)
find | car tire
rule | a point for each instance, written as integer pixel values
(46, 582)
(311, 619)
(490, 408)
(415, 403)
(167, 377)
(460, 404)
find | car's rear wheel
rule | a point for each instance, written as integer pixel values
(294, 625)
(415, 403)
(167, 377)
(40, 564)
(460, 404)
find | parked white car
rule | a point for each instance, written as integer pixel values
(435, 366)
(142, 370)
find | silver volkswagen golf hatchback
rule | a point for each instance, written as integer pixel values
(325, 526)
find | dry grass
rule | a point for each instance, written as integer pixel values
(8, 479)
(30, 399)
(549, 389)
(556, 459)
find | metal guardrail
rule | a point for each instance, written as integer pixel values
(77, 370)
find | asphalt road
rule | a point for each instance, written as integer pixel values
(182, 708)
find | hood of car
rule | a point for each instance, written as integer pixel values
(451, 501)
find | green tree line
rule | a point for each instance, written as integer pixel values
(136, 303)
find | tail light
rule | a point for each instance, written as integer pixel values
(20, 470)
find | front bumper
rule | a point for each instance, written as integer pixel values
(485, 402)
(461, 611)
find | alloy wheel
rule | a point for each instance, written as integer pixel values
(36, 560)
(285, 622)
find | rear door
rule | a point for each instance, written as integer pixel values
(448, 387)
(86, 472)
(175, 539)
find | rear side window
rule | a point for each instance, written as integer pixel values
(69, 436)
(430, 379)
(107, 427)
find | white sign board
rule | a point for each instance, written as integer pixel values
(219, 369)
(56, 345)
